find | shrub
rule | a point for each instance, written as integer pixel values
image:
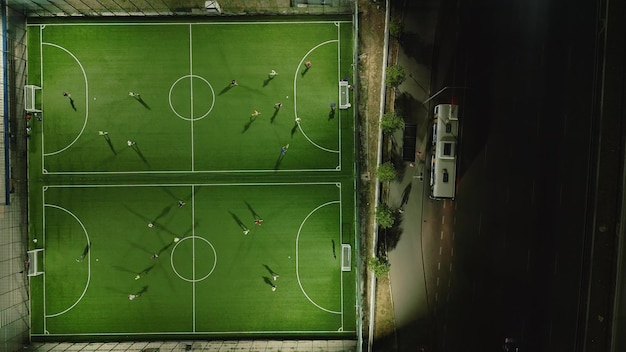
(395, 76)
(385, 216)
(391, 122)
(386, 172)
(378, 266)
(395, 28)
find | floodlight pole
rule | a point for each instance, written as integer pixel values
(439, 92)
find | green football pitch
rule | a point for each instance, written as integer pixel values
(176, 211)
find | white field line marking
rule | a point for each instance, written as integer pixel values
(340, 243)
(193, 260)
(197, 184)
(41, 27)
(185, 23)
(86, 100)
(338, 91)
(43, 212)
(206, 333)
(191, 100)
(295, 99)
(183, 171)
(297, 271)
(88, 260)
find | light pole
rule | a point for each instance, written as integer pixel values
(439, 92)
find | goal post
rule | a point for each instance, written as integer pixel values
(35, 262)
(346, 257)
(31, 97)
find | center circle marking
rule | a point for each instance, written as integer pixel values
(169, 97)
(174, 267)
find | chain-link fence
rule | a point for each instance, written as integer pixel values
(102, 8)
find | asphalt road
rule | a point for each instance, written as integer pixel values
(510, 256)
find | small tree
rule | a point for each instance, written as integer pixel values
(386, 172)
(378, 266)
(395, 28)
(384, 216)
(391, 122)
(395, 76)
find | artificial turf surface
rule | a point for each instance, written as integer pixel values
(194, 141)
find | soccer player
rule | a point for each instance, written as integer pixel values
(258, 221)
(273, 74)
(277, 106)
(181, 203)
(233, 83)
(255, 113)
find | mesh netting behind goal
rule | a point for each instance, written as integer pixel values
(31, 98)
(35, 262)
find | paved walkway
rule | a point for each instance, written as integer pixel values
(407, 270)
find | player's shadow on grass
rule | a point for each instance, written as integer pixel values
(122, 269)
(279, 161)
(108, 139)
(269, 270)
(165, 248)
(146, 271)
(267, 81)
(274, 115)
(238, 221)
(255, 215)
(139, 247)
(140, 154)
(189, 230)
(331, 114)
(268, 281)
(150, 220)
(177, 198)
(72, 104)
(294, 129)
(305, 71)
(142, 102)
(334, 249)
(226, 89)
(143, 290)
(248, 124)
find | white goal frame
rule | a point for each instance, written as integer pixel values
(346, 257)
(34, 257)
(30, 101)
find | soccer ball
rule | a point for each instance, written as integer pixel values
(176, 239)
(287, 97)
(94, 98)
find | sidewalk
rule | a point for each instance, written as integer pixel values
(411, 310)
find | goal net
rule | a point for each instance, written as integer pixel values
(31, 97)
(346, 257)
(35, 262)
